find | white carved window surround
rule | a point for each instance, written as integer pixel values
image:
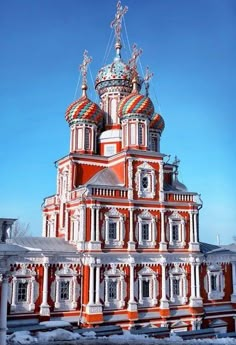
(178, 285)
(215, 282)
(65, 289)
(24, 290)
(114, 228)
(147, 287)
(146, 233)
(51, 226)
(114, 288)
(176, 230)
(64, 183)
(145, 179)
(75, 226)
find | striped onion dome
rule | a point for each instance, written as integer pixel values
(157, 122)
(84, 110)
(135, 105)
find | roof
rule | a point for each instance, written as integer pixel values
(106, 177)
(207, 247)
(47, 244)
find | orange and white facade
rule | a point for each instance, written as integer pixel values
(120, 238)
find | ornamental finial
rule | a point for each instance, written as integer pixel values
(84, 70)
(116, 23)
(136, 52)
(147, 77)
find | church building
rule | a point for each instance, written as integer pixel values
(120, 242)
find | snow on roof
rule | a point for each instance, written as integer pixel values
(43, 244)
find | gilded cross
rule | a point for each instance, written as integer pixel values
(84, 67)
(116, 23)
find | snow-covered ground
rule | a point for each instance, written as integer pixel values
(64, 337)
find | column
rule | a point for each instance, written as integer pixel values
(233, 296)
(191, 227)
(161, 181)
(106, 291)
(74, 302)
(66, 225)
(164, 302)
(122, 290)
(121, 229)
(140, 283)
(91, 284)
(106, 230)
(154, 296)
(92, 224)
(97, 301)
(193, 294)
(44, 307)
(57, 304)
(140, 238)
(182, 231)
(97, 224)
(195, 227)
(171, 232)
(163, 245)
(3, 310)
(132, 305)
(198, 280)
(13, 303)
(31, 306)
(131, 243)
(131, 291)
(184, 287)
(171, 289)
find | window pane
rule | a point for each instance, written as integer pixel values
(64, 291)
(112, 290)
(145, 232)
(176, 291)
(22, 292)
(175, 231)
(112, 230)
(213, 283)
(146, 288)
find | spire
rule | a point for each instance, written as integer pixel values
(133, 61)
(84, 70)
(116, 24)
(147, 77)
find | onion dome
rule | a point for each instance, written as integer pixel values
(157, 122)
(84, 110)
(135, 105)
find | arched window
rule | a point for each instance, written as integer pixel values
(146, 232)
(147, 287)
(114, 288)
(215, 282)
(178, 285)
(114, 228)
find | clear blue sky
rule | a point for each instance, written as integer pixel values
(188, 44)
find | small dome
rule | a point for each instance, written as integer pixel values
(157, 122)
(84, 109)
(115, 74)
(135, 104)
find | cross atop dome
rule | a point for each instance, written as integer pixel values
(147, 77)
(136, 52)
(116, 23)
(84, 70)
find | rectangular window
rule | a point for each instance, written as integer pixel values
(112, 230)
(213, 283)
(64, 291)
(145, 232)
(22, 292)
(154, 143)
(112, 290)
(146, 292)
(175, 232)
(87, 137)
(176, 289)
(140, 134)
